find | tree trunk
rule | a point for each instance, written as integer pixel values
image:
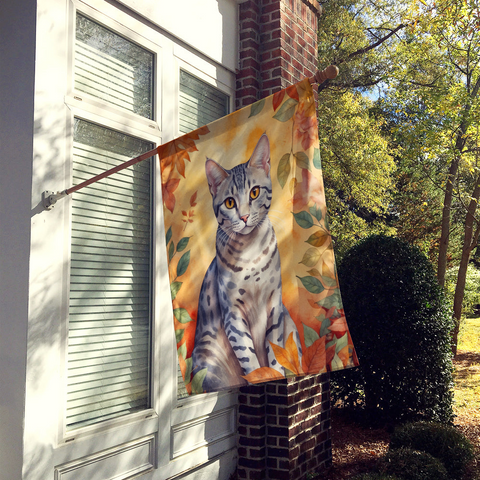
(445, 235)
(470, 240)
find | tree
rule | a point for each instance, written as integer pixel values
(437, 92)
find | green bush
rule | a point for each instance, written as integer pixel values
(374, 476)
(444, 442)
(408, 464)
(400, 327)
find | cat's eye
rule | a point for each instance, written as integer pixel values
(254, 192)
(229, 202)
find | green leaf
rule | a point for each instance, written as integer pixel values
(182, 350)
(286, 111)
(304, 219)
(329, 282)
(179, 334)
(182, 315)
(183, 264)
(171, 252)
(182, 244)
(302, 160)
(283, 170)
(188, 370)
(324, 329)
(310, 335)
(311, 257)
(342, 342)
(168, 236)
(333, 300)
(174, 288)
(197, 382)
(337, 364)
(317, 161)
(257, 107)
(316, 212)
(312, 284)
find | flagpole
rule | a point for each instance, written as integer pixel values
(49, 199)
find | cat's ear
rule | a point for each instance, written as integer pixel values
(261, 155)
(215, 175)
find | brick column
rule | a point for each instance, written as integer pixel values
(284, 426)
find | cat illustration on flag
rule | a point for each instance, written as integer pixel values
(241, 316)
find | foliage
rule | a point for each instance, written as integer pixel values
(375, 476)
(400, 328)
(444, 442)
(358, 173)
(472, 287)
(410, 464)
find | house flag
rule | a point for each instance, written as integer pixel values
(252, 272)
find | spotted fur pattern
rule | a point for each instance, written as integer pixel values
(240, 308)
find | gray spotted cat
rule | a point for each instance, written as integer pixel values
(240, 308)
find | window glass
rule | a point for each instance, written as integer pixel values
(112, 68)
(109, 328)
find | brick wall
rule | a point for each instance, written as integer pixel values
(284, 427)
(278, 46)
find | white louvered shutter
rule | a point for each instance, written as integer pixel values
(109, 314)
(199, 104)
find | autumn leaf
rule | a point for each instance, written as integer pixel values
(292, 92)
(193, 199)
(314, 272)
(287, 357)
(318, 238)
(263, 374)
(167, 192)
(314, 357)
(310, 257)
(277, 99)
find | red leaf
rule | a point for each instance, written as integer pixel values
(167, 193)
(192, 199)
(277, 99)
(292, 92)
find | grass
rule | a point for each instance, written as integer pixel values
(467, 371)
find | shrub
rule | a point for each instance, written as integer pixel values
(375, 476)
(400, 327)
(409, 464)
(444, 442)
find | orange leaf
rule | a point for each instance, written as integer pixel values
(292, 92)
(314, 357)
(263, 374)
(292, 349)
(284, 357)
(277, 99)
(180, 164)
(330, 353)
(313, 303)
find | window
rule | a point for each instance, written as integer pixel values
(110, 318)
(199, 104)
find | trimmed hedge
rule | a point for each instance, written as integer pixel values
(408, 464)
(441, 441)
(400, 327)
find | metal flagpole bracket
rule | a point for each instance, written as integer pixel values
(49, 199)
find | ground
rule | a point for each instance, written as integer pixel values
(355, 449)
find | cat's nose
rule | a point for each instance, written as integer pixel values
(244, 217)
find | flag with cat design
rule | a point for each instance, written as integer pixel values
(253, 283)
